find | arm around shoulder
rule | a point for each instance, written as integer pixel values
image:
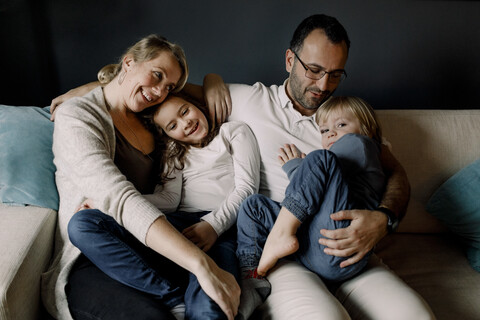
(75, 92)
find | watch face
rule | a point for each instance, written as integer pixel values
(392, 221)
(392, 225)
(395, 225)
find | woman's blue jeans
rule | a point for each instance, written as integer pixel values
(317, 190)
(122, 257)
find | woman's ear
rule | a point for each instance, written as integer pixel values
(127, 62)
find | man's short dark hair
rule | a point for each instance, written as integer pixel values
(335, 32)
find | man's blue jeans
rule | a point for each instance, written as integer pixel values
(317, 190)
(122, 257)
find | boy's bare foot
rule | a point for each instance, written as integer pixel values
(281, 242)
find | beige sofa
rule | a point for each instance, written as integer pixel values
(431, 144)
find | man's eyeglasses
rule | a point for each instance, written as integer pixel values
(334, 76)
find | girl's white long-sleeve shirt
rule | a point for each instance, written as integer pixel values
(216, 178)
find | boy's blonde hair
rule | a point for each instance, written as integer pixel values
(369, 124)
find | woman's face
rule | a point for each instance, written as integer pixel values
(182, 120)
(148, 83)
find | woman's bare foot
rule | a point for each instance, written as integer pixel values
(281, 242)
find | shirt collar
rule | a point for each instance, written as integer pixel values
(284, 99)
(287, 103)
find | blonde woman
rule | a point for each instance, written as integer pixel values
(104, 153)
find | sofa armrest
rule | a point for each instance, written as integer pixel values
(26, 247)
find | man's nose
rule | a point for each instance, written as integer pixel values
(324, 85)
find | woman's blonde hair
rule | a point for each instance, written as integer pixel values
(147, 49)
(369, 124)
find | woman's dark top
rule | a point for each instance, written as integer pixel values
(138, 168)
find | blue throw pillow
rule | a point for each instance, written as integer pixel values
(457, 204)
(27, 172)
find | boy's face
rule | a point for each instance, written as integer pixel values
(339, 123)
(181, 120)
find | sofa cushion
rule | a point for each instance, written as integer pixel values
(26, 157)
(432, 145)
(26, 246)
(457, 204)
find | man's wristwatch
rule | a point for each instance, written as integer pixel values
(392, 223)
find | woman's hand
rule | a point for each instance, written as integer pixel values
(218, 284)
(221, 287)
(76, 92)
(201, 234)
(289, 152)
(365, 230)
(217, 97)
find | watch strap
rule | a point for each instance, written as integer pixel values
(392, 222)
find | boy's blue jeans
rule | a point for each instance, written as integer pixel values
(317, 190)
(122, 257)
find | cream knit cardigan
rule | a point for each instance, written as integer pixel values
(84, 148)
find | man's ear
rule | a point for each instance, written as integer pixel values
(289, 60)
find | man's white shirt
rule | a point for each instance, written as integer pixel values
(270, 114)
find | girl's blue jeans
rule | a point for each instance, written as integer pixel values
(122, 257)
(317, 190)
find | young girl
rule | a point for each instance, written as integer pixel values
(346, 175)
(214, 170)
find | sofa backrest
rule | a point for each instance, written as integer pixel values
(432, 145)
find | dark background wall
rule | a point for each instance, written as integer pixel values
(404, 54)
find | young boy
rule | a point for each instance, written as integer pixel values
(347, 174)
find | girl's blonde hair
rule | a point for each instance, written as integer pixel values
(369, 125)
(147, 49)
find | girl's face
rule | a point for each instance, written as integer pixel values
(339, 123)
(149, 82)
(182, 120)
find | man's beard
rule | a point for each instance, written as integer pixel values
(300, 95)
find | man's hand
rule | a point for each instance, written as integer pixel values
(289, 152)
(217, 98)
(201, 234)
(366, 229)
(76, 92)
